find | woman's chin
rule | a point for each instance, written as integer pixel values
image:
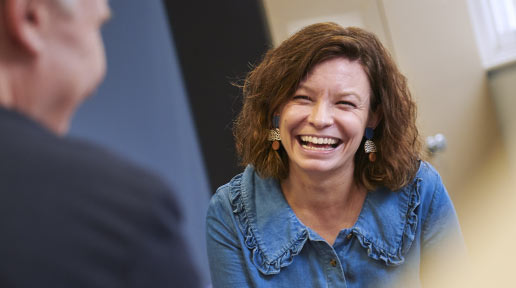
(315, 166)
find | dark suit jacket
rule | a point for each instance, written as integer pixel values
(73, 215)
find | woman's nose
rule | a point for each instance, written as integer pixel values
(321, 115)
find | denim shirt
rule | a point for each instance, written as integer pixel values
(254, 239)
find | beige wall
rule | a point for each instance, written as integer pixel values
(502, 84)
(287, 16)
(436, 49)
(434, 45)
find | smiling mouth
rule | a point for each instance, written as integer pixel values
(318, 143)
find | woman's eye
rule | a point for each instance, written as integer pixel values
(347, 103)
(301, 97)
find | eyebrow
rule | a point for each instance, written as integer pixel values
(345, 93)
(302, 86)
(348, 93)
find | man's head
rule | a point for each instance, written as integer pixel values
(51, 56)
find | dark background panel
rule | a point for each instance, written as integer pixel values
(216, 43)
(142, 112)
(167, 102)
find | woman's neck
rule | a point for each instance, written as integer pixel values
(314, 189)
(327, 202)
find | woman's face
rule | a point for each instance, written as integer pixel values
(323, 123)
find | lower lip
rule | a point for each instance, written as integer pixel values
(318, 150)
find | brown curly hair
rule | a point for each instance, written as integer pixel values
(274, 80)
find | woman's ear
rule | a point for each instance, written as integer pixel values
(23, 23)
(374, 118)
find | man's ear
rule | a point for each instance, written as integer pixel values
(24, 21)
(374, 117)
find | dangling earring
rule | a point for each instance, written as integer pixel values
(369, 146)
(274, 134)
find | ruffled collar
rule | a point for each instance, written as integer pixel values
(261, 210)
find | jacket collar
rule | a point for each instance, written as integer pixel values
(275, 235)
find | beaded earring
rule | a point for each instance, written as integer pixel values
(369, 146)
(274, 134)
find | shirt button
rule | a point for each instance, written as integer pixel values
(333, 262)
(349, 236)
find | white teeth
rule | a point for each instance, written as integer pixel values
(318, 140)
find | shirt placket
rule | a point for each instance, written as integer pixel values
(331, 265)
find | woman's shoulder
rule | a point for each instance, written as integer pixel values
(418, 192)
(438, 216)
(222, 198)
(235, 194)
(257, 210)
(430, 186)
(428, 174)
(423, 205)
(235, 186)
(225, 190)
(421, 188)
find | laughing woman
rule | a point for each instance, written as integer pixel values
(334, 193)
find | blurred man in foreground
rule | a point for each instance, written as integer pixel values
(71, 214)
